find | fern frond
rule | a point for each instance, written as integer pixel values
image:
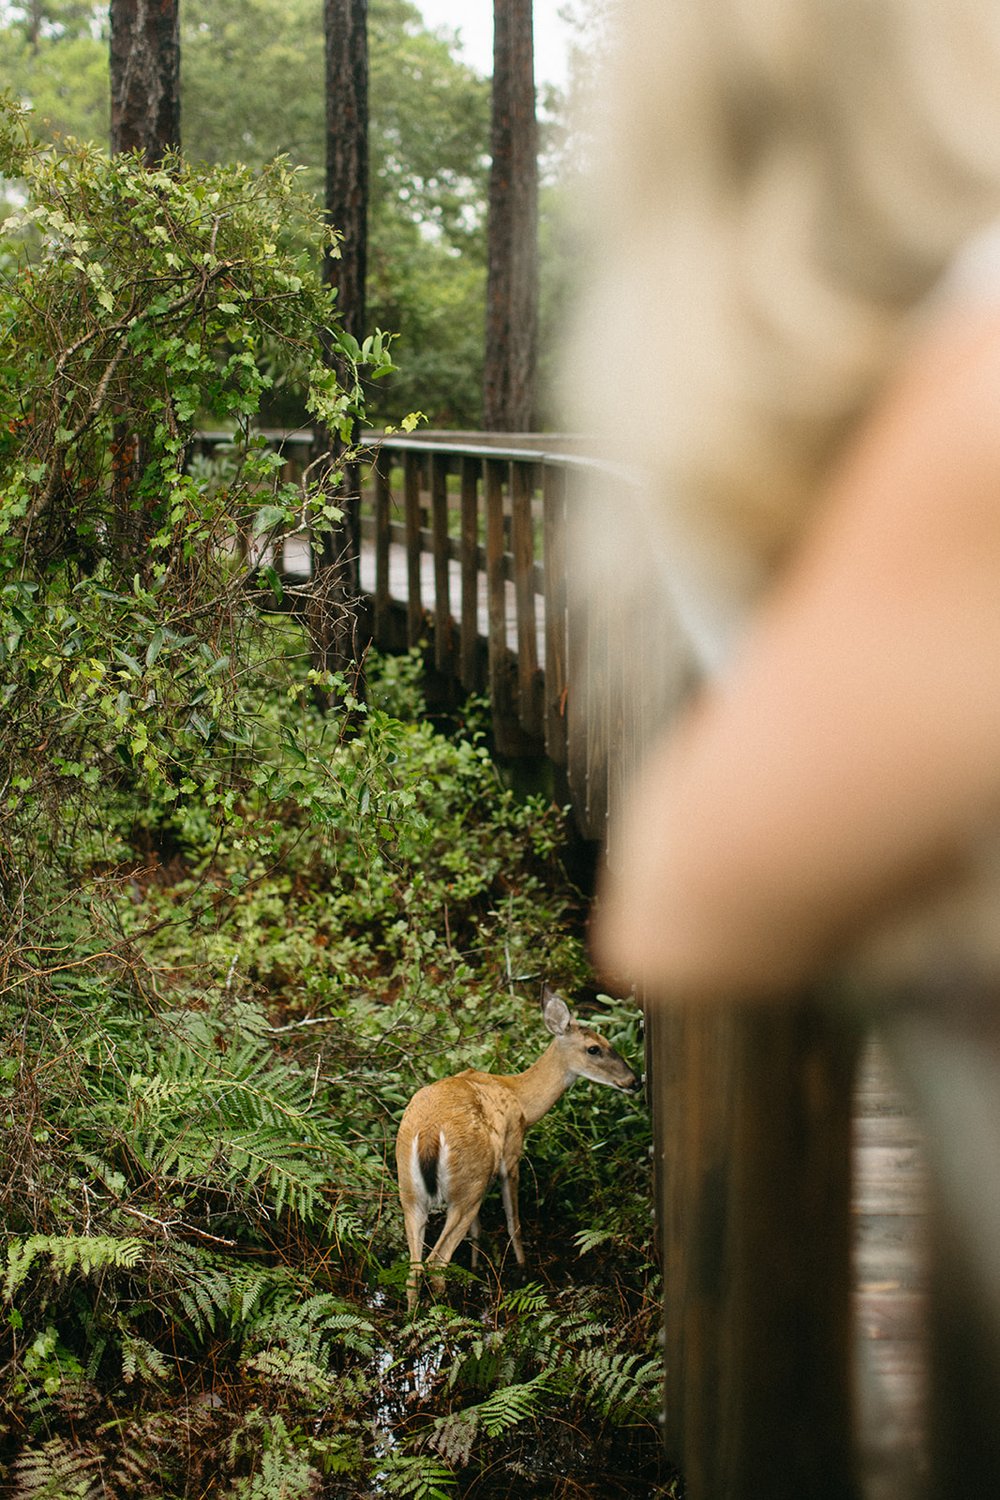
(482, 1366)
(248, 1287)
(57, 1472)
(142, 1360)
(282, 1470)
(623, 1387)
(415, 1476)
(283, 1474)
(586, 1240)
(526, 1301)
(67, 1254)
(512, 1404)
(454, 1436)
(203, 1289)
(292, 1369)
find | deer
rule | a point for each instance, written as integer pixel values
(458, 1134)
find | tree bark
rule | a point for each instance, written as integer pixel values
(346, 30)
(336, 558)
(145, 77)
(145, 117)
(512, 281)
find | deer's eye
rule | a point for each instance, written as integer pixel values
(594, 1051)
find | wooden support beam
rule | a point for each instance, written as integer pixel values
(522, 539)
(506, 729)
(382, 508)
(439, 533)
(469, 676)
(554, 573)
(411, 517)
(755, 1127)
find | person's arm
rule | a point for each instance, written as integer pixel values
(855, 745)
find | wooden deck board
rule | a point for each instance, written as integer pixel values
(891, 1281)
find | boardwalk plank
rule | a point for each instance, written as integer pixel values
(890, 1299)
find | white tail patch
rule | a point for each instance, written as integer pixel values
(441, 1195)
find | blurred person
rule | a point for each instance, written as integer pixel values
(794, 311)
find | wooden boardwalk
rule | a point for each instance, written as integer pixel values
(891, 1284)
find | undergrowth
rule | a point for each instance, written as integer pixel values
(237, 932)
(203, 1266)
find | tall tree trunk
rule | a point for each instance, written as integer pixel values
(336, 559)
(146, 117)
(346, 30)
(512, 283)
(145, 77)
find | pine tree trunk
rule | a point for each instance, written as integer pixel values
(512, 282)
(333, 618)
(146, 117)
(346, 28)
(145, 77)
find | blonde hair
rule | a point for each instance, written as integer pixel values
(783, 183)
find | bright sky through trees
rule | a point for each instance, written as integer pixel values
(474, 20)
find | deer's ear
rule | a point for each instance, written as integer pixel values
(555, 1012)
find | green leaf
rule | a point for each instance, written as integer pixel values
(155, 645)
(130, 662)
(268, 518)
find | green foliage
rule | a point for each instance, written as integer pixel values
(238, 932)
(142, 302)
(202, 1214)
(86, 1253)
(252, 88)
(416, 1476)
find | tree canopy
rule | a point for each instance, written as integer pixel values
(252, 88)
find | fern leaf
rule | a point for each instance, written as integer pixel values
(142, 1360)
(513, 1404)
(57, 1472)
(453, 1436)
(623, 1387)
(589, 1239)
(66, 1254)
(409, 1476)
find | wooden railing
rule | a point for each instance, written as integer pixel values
(467, 542)
(465, 549)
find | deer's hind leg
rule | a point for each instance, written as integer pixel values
(415, 1218)
(459, 1221)
(464, 1201)
(510, 1175)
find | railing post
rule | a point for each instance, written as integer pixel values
(469, 554)
(754, 1113)
(495, 473)
(411, 513)
(382, 532)
(554, 565)
(522, 543)
(439, 533)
